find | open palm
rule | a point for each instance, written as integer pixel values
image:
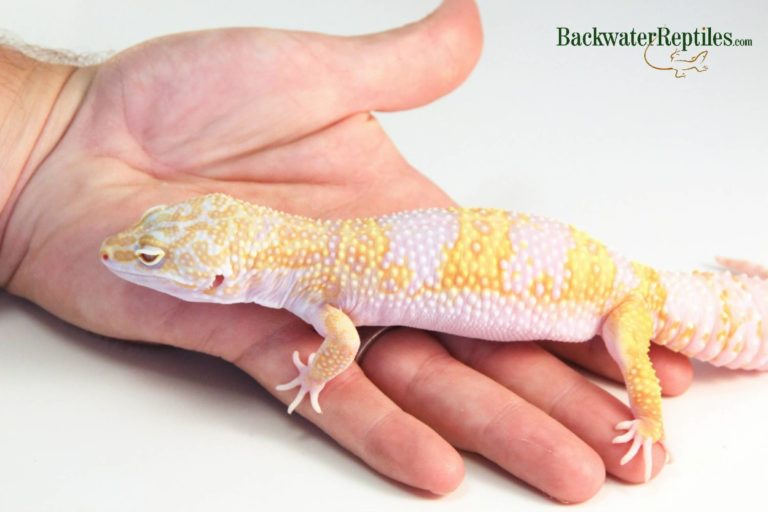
(281, 119)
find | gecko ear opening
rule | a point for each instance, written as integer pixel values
(150, 211)
(150, 256)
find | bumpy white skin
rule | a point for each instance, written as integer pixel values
(716, 318)
(513, 312)
(479, 273)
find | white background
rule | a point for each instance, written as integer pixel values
(670, 172)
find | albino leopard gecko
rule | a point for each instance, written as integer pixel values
(480, 273)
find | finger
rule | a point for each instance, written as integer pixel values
(358, 415)
(475, 413)
(543, 380)
(415, 64)
(674, 370)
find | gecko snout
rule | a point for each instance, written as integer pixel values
(105, 253)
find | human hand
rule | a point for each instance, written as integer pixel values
(280, 118)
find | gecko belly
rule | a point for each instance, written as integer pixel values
(485, 316)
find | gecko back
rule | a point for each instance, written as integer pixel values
(478, 272)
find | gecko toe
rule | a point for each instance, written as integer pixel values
(636, 442)
(647, 458)
(305, 385)
(297, 400)
(635, 433)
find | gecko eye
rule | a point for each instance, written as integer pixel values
(150, 256)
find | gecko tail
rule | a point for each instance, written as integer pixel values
(717, 317)
(743, 267)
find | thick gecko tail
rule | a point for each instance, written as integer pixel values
(743, 267)
(717, 317)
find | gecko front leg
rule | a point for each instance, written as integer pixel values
(333, 357)
(627, 334)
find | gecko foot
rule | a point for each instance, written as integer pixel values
(637, 431)
(304, 384)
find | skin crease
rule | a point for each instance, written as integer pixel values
(281, 118)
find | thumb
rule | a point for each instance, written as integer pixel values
(196, 98)
(414, 64)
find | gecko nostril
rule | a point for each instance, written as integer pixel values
(105, 256)
(217, 281)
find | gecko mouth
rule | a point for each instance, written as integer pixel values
(147, 280)
(217, 281)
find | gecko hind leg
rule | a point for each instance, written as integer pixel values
(627, 333)
(334, 356)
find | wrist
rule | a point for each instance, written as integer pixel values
(31, 123)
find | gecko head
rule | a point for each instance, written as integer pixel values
(184, 250)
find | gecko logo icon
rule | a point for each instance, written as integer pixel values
(673, 52)
(678, 63)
